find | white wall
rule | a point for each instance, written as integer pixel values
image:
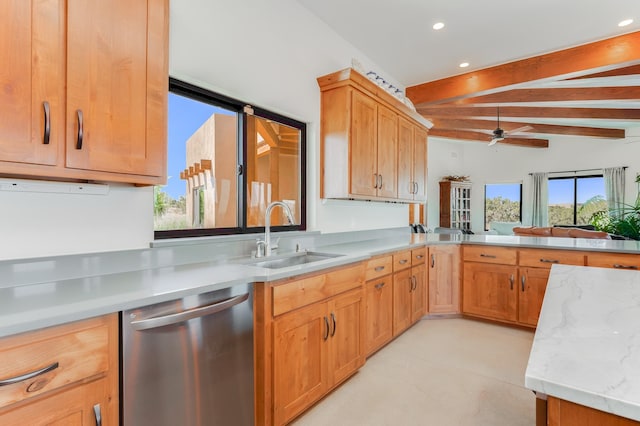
(268, 53)
(504, 164)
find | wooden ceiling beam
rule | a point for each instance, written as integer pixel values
(620, 72)
(270, 136)
(531, 112)
(601, 56)
(553, 129)
(560, 94)
(482, 137)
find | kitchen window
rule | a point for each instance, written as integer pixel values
(226, 162)
(502, 203)
(573, 200)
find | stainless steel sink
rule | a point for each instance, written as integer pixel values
(294, 259)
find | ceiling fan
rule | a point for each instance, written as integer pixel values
(500, 135)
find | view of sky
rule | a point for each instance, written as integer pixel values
(560, 190)
(185, 117)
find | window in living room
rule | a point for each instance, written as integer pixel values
(502, 203)
(572, 200)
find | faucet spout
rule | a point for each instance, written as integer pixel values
(267, 224)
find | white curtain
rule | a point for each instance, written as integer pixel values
(614, 188)
(540, 199)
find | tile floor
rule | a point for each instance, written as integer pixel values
(441, 372)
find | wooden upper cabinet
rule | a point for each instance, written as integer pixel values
(32, 81)
(364, 154)
(104, 109)
(368, 140)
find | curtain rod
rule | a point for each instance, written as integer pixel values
(576, 171)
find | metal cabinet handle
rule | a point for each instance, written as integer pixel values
(419, 256)
(375, 179)
(28, 376)
(416, 190)
(433, 260)
(619, 266)
(522, 280)
(97, 412)
(414, 283)
(162, 321)
(380, 185)
(489, 256)
(326, 327)
(378, 268)
(333, 320)
(80, 136)
(511, 281)
(379, 286)
(47, 123)
(549, 261)
(403, 261)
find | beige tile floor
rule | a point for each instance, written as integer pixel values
(442, 372)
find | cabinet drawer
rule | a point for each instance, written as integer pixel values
(614, 260)
(546, 258)
(490, 254)
(402, 260)
(418, 256)
(291, 295)
(378, 267)
(73, 353)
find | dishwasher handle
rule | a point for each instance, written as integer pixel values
(165, 320)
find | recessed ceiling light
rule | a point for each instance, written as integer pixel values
(438, 26)
(625, 22)
(464, 65)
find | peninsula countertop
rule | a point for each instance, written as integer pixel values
(587, 345)
(35, 295)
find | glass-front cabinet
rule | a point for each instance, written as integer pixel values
(455, 205)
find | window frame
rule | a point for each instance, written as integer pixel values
(200, 94)
(484, 210)
(575, 192)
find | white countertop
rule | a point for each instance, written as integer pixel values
(587, 345)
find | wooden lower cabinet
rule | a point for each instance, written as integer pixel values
(314, 349)
(564, 413)
(80, 382)
(402, 288)
(378, 327)
(532, 284)
(444, 279)
(418, 294)
(490, 291)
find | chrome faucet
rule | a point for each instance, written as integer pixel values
(266, 243)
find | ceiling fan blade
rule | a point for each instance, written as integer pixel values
(520, 129)
(495, 141)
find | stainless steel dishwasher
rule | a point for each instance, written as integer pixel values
(189, 362)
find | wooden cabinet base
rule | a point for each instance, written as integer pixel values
(565, 413)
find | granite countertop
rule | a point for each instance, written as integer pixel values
(40, 302)
(587, 345)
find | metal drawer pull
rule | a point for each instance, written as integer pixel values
(379, 286)
(162, 321)
(522, 279)
(97, 412)
(326, 325)
(403, 261)
(47, 123)
(28, 376)
(549, 261)
(618, 266)
(80, 130)
(511, 281)
(379, 268)
(419, 256)
(375, 178)
(333, 320)
(490, 256)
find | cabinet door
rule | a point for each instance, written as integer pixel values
(490, 291)
(364, 150)
(406, 185)
(346, 313)
(387, 152)
(402, 288)
(115, 103)
(378, 313)
(74, 407)
(420, 164)
(418, 295)
(32, 81)
(444, 279)
(300, 339)
(532, 285)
